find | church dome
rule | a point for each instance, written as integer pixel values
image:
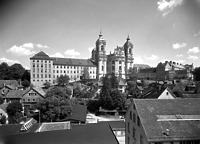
(128, 43)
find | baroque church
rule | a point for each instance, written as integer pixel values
(117, 62)
(45, 68)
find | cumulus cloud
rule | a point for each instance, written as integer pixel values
(179, 45)
(90, 49)
(179, 55)
(8, 61)
(41, 46)
(194, 50)
(57, 55)
(72, 53)
(25, 49)
(152, 57)
(193, 57)
(138, 60)
(167, 6)
(197, 34)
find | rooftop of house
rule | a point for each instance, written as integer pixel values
(15, 93)
(79, 114)
(156, 93)
(88, 134)
(169, 120)
(148, 70)
(3, 83)
(114, 124)
(54, 126)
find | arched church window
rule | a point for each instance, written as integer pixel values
(130, 51)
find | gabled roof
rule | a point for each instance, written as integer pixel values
(79, 113)
(15, 93)
(148, 70)
(3, 83)
(41, 55)
(156, 93)
(4, 106)
(39, 90)
(73, 62)
(114, 124)
(88, 134)
(171, 119)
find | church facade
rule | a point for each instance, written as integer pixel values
(45, 68)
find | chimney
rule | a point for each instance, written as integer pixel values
(166, 132)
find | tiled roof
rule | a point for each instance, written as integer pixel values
(15, 93)
(41, 55)
(54, 126)
(4, 106)
(180, 128)
(88, 134)
(79, 113)
(115, 124)
(72, 62)
(14, 83)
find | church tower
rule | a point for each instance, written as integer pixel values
(128, 49)
(101, 58)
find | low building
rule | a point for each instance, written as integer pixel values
(157, 121)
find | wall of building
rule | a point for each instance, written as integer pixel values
(134, 131)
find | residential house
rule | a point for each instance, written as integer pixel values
(156, 121)
(32, 96)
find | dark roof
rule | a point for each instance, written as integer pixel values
(88, 134)
(156, 92)
(4, 106)
(150, 110)
(79, 113)
(148, 70)
(72, 62)
(114, 124)
(15, 93)
(14, 83)
(191, 95)
(41, 55)
(13, 129)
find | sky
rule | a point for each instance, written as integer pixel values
(160, 30)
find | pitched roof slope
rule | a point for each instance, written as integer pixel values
(88, 134)
(70, 61)
(174, 115)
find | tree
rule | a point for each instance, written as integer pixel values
(25, 83)
(59, 91)
(114, 81)
(196, 74)
(86, 74)
(4, 71)
(16, 71)
(133, 74)
(47, 84)
(118, 99)
(54, 109)
(1, 100)
(26, 76)
(63, 80)
(3, 119)
(14, 111)
(56, 106)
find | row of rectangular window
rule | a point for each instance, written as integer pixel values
(41, 76)
(45, 71)
(71, 71)
(42, 65)
(75, 67)
(41, 61)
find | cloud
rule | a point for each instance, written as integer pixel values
(152, 57)
(41, 46)
(197, 34)
(57, 55)
(8, 61)
(179, 45)
(90, 49)
(194, 50)
(72, 53)
(138, 60)
(193, 57)
(179, 61)
(25, 49)
(167, 6)
(179, 55)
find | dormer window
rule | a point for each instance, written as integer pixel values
(102, 48)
